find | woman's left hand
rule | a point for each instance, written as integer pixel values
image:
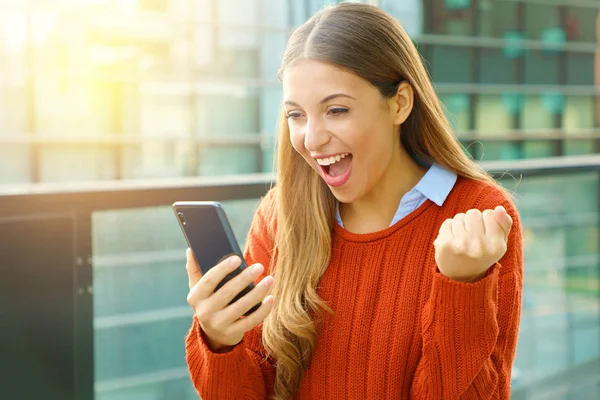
(469, 244)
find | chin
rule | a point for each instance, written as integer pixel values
(343, 195)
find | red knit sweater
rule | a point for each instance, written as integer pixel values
(401, 329)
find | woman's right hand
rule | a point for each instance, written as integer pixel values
(223, 324)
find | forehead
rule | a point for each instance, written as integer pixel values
(311, 78)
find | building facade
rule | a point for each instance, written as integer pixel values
(161, 88)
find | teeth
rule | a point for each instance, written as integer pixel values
(331, 160)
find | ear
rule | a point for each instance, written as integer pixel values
(402, 103)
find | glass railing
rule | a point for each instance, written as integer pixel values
(127, 327)
(560, 326)
(140, 312)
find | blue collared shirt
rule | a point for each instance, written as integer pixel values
(435, 185)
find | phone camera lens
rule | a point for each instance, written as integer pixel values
(181, 217)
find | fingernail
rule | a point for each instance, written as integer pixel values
(267, 282)
(234, 262)
(269, 300)
(257, 269)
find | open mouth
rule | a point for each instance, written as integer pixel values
(335, 166)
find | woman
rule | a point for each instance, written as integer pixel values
(394, 268)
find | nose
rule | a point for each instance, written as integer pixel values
(316, 136)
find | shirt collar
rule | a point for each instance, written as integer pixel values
(436, 184)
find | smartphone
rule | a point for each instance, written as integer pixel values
(211, 239)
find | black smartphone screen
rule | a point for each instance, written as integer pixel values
(208, 233)
(211, 239)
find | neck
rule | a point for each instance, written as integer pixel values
(375, 211)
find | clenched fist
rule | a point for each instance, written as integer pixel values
(469, 244)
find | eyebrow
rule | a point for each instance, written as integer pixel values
(325, 100)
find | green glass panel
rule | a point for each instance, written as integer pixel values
(451, 64)
(553, 38)
(579, 147)
(553, 102)
(228, 160)
(533, 149)
(513, 102)
(493, 150)
(457, 4)
(514, 44)
(140, 313)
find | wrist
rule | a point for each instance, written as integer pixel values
(215, 346)
(218, 348)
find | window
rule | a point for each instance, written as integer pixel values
(499, 150)
(14, 119)
(541, 67)
(457, 110)
(496, 67)
(449, 17)
(204, 51)
(514, 45)
(14, 163)
(578, 147)
(538, 149)
(270, 55)
(451, 64)
(235, 62)
(539, 19)
(539, 112)
(211, 160)
(580, 68)
(408, 12)
(581, 24)
(496, 18)
(495, 113)
(578, 113)
(164, 112)
(56, 164)
(217, 118)
(238, 16)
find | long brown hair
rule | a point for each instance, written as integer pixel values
(370, 43)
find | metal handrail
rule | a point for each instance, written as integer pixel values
(118, 194)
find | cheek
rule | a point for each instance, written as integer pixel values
(297, 141)
(377, 146)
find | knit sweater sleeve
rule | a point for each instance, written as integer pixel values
(245, 372)
(470, 330)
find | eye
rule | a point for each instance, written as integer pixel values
(293, 115)
(338, 111)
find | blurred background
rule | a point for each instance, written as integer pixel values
(110, 110)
